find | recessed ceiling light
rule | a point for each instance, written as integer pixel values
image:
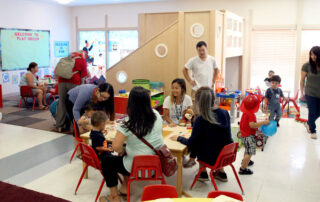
(64, 1)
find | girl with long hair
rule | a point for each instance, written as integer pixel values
(142, 121)
(211, 132)
(175, 105)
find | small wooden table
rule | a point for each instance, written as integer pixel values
(177, 149)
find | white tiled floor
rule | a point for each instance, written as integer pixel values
(287, 170)
(14, 139)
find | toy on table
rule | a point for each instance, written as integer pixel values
(227, 97)
(252, 91)
(186, 119)
(123, 93)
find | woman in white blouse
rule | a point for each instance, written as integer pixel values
(175, 105)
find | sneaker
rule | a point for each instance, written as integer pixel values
(203, 177)
(314, 136)
(251, 163)
(307, 127)
(246, 171)
(222, 176)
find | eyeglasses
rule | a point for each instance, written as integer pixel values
(104, 98)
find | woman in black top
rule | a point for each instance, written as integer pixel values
(211, 132)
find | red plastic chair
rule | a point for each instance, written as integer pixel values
(226, 157)
(53, 93)
(153, 192)
(25, 93)
(293, 100)
(215, 194)
(77, 137)
(90, 158)
(145, 168)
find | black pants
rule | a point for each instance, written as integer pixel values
(314, 112)
(111, 166)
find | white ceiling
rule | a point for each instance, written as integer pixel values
(95, 2)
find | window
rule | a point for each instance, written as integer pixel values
(309, 39)
(121, 44)
(273, 50)
(93, 42)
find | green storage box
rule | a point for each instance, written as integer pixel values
(141, 82)
(159, 97)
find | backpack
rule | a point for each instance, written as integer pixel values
(65, 66)
(54, 108)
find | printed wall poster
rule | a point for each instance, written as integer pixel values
(61, 49)
(40, 73)
(46, 71)
(5, 77)
(21, 74)
(15, 79)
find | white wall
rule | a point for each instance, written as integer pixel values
(25, 14)
(270, 12)
(265, 13)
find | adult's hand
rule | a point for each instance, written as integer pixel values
(193, 83)
(172, 125)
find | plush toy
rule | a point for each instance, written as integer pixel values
(187, 117)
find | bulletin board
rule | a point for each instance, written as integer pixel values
(19, 47)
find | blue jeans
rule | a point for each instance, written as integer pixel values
(313, 111)
(275, 112)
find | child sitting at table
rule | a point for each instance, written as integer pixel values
(175, 105)
(248, 127)
(84, 122)
(98, 141)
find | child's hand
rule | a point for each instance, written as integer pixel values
(174, 137)
(266, 122)
(109, 149)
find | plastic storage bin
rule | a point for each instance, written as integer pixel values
(156, 86)
(159, 98)
(141, 82)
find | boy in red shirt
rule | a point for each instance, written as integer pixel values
(248, 126)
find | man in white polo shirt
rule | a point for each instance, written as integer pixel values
(204, 69)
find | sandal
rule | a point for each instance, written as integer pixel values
(123, 196)
(189, 164)
(44, 107)
(107, 198)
